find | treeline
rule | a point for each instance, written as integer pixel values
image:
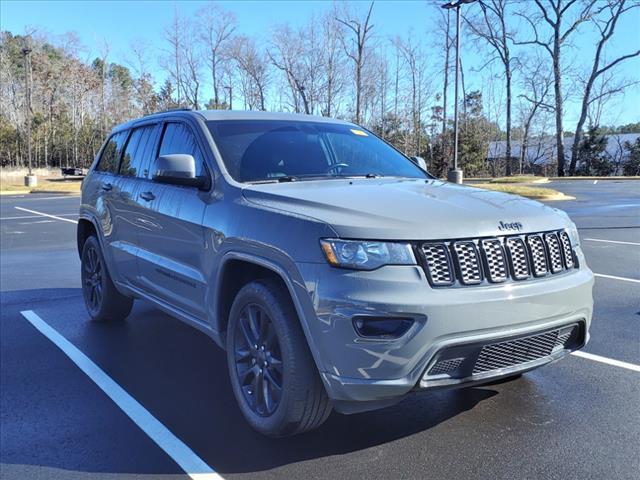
(337, 64)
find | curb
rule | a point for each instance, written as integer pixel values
(55, 192)
(14, 192)
(551, 198)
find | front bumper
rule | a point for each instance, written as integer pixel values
(361, 373)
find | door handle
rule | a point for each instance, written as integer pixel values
(107, 186)
(148, 196)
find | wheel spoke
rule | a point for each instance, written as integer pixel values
(98, 294)
(254, 321)
(242, 354)
(269, 402)
(244, 374)
(246, 331)
(272, 380)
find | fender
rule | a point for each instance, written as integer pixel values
(295, 285)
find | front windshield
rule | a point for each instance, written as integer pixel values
(277, 150)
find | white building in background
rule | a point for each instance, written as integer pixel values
(541, 152)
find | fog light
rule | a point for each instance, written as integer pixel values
(384, 328)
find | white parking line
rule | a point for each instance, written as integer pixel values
(613, 277)
(22, 217)
(186, 458)
(608, 361)
(611, 241)
(46, 215)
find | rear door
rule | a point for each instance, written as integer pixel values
(172, 240)
(107, 190)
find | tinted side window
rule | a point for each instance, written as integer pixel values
(178, 138)
(138, 151)
(111, 154)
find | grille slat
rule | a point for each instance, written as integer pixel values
(553, 249)
(494, 259)
(567, 251)
(497, 259)
(438, 263)
(538, 255)
(468, 262)
(518, 257)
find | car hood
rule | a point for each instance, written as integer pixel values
(406, 209)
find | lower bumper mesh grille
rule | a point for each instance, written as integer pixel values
(478, 359)
(515, 352)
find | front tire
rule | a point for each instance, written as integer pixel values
(103, 301)
(273, 375)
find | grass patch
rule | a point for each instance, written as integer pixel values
(519, 179)
(57, 185)
(523, 190)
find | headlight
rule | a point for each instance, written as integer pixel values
(572, 231)
(366, 255)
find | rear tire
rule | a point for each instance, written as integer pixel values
(278, 388)
(103, 301)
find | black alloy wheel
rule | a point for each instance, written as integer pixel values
(258, 360)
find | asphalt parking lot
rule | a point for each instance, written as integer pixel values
(578, 418)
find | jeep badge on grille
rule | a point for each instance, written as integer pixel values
(517, 226)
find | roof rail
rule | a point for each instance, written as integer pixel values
(178, 109)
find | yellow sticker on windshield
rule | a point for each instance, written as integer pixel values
(359, 132)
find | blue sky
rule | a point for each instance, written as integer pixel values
(121, 21)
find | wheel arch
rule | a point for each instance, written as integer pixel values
(239, 267)
(86, 228)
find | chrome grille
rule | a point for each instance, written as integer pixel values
(567, 251)
(553, 249)
(495, 260)
(438, 265)
(519, 259)
(522, 350)
(468, 262)
(538, 255)
(445, 366)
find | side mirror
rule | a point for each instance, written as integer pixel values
(177, 169)
(419, 161)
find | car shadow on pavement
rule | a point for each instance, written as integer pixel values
(180, 376)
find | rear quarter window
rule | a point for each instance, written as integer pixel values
(110, 157)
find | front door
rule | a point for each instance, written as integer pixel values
(171, 237)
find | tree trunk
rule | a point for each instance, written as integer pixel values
(446, 84)
(508, 146)
(358, 87)
(557, 76)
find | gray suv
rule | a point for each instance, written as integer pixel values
(334, 271)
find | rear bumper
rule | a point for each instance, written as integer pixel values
(362, 374)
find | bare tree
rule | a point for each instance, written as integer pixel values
(287, 53)
(173, 34)
(216, 30)
(412, 57)
(491, 26)
(143, 83)
(536, 82)
(355, 49)
(253, 69)
(612, 11)
(191, 72)
(332, 62)
(555, 13)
